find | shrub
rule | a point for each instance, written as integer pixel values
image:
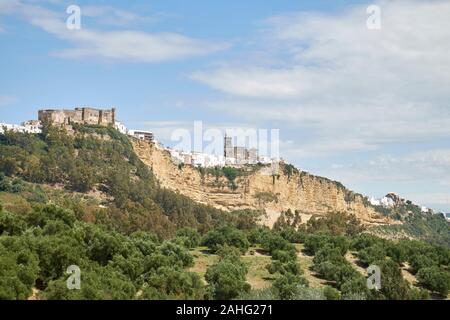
(315, 242)
(435, 279)
(275, 242)
(335, 223)
(331, 293)
(226, 236)
(421, 261)
(192, 237)
(11, 224)
(287, 285)
(372, 254)
(393, 285)
(18, 271)
(226, 279)
(177, 284)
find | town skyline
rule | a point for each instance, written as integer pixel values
(279, 65)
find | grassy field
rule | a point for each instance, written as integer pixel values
(202, 260)
(258, 276)
(306, 262)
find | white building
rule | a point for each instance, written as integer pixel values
(215, 161)
(425, 209)
(32, 126)
(264, 159)
(141, 134)
(7, 127)
(196, 158)
(199, 159)
(119, 126)
(230, 161)
(177, 156)
(158, 144)
(385, 202)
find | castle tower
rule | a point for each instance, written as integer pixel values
(228, 150)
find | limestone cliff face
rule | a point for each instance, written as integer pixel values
(258, 189)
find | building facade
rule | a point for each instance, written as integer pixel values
(235, 155)
(141, 135)
(31, 126)
(252, 155)
(228, 150)
(89, 116)
(240, 153)
(119, 126)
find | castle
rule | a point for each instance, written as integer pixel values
(89, 116)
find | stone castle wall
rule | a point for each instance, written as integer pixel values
(90, 116)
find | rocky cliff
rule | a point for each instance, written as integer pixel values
(259, 189)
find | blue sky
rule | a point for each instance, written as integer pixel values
(366, 107)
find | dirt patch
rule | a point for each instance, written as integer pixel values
(407, 275)
(353, 260)
(34, 295)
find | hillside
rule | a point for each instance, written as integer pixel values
(100, 163)
(136, 186)
(93, 199)
(256, 188)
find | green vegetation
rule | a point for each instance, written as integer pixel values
(288, 222)
(104, 163)
(432, 228)
(289, 170)
(86, 199)
(331, 293)
(226, 235)
(337, 223)
(189, 237)
(36, 248)
(230, 173)
(227, 278)
(435, 279)
(265, 197)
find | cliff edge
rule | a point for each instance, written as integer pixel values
(257, 188)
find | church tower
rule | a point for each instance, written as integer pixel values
(228, 150)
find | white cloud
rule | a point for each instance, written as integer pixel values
(338, 90)
(437, 199)
(123, 45)
(6, 100)
(344, 83)
(258, 82)
(427, 165)
(423, 176)
(110, 15)
(319, 148)
(165, 128)
(136, 46)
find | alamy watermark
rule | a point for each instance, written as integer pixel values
(374, 20)
(232, 146)
(374, 278)
(74, 280)
(211, 140)
(73, 22)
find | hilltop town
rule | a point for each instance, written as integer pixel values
(232, 155)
